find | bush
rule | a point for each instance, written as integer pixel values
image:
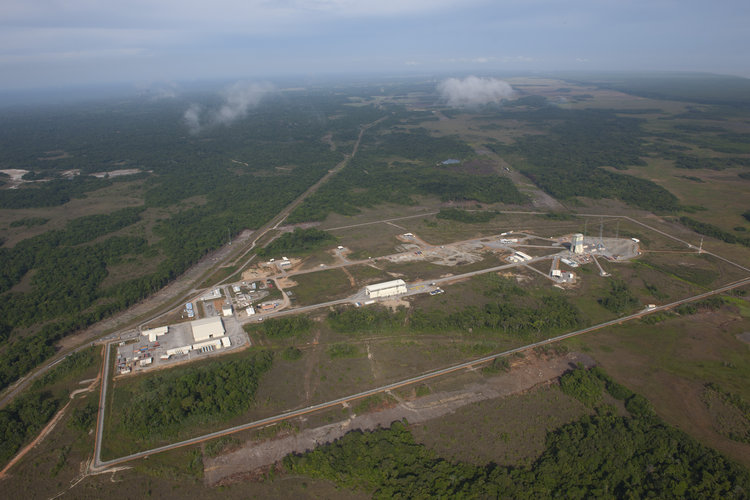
(291, 354)
(342, 351)
(498, 365)
(583, 385)
(639, 406)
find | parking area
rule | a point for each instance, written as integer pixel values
(143, 354)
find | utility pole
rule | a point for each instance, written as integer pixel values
(700, 248)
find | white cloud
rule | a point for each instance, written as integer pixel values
(474, 91)
(238, 100)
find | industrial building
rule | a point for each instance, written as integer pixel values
(577, 244)
(386, 289)
(523, 256)
(226, 310)
(207, 328)
(153, 333)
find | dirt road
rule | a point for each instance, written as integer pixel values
(524, 376)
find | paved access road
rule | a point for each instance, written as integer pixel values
(98, 464)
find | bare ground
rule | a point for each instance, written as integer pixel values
(524, 376)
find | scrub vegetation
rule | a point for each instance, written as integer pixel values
(163, 403)
(585, 458)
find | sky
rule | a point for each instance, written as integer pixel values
(58, 43)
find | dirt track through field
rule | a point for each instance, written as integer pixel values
(524, 375)
(47, 428)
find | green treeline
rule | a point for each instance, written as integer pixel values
(162, 403)
(714, 231)
(379, 174)
(23, 418)
(32, 252)
(297, 242)
(65, 285)
(550, 313)
(418, 144)
(67, 270)
(598, 183)
(29, 222)
(588, 385)
(598, 456)
(285, 327)
(465, 216)
(51, 194)
(566, 162)
(692, 162)
(619, 298)
(28, 413)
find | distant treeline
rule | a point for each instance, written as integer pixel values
(299, 241)
(567, 161)
(714, 231)
(692, 162)
(379, 174)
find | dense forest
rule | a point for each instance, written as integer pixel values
(391, 167)
(245, 174)
(567, 161)
(162, 403)
(299, 241)
(27, 414)
(598, 456)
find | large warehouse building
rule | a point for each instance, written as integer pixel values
(386, 289)
(207, 328)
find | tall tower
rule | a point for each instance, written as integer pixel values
(577, 245)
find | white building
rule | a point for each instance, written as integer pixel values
(523, 256)
(386, 289)
(179, 350)
(153, 333)
(577, 245)
(207, 328)
(226, 310)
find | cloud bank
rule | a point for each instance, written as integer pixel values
(473, 91)
(238, 100)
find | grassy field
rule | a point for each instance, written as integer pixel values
(506, 431)
(322, 286)
(670, 363)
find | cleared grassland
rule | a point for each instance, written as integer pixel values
(670, 362)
